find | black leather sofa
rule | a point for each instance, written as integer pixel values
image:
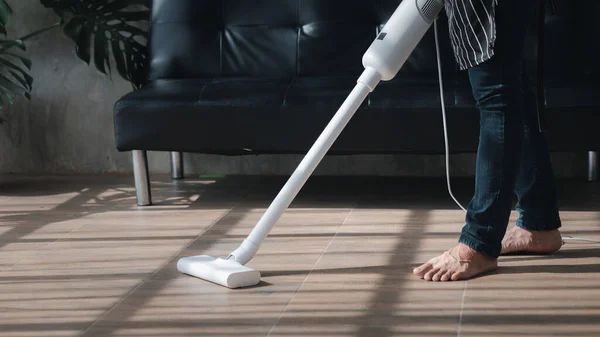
(248, 77)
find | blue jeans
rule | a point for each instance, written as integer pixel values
(513, 156)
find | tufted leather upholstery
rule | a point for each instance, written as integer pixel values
(265, 76)
(268, 38)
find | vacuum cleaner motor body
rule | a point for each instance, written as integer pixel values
(400, 36)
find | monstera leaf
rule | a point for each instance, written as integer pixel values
(5, 14)
(14, 77)
(111, 30)
(14, 72)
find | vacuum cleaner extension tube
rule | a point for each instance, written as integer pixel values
(382, 61)
(366, 83)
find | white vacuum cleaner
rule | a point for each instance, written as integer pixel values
(385, 57)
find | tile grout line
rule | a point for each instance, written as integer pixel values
(43, 248)
(124, 297)
(462, 308)
(313, 267)
(60, 237)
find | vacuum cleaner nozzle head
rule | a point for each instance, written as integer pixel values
(228, 273)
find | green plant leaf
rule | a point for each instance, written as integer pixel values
(14, 73)
(5, 14)
(14, 69)
(107, 32)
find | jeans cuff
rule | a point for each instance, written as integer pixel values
(539, 225)
(485, 248)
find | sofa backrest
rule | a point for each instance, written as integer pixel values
(274, 38)
(572, 44)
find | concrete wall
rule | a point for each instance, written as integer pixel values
(67, 127)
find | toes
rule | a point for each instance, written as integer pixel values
(446, 276)
(457, 276)
(429, 275)
(505, 248)
(438, 276)
(422, 270)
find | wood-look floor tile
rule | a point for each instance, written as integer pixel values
(171, 300)
(280, 261)
(34, 229)
(340, 330)
(338, 262)
(296, 221)
(155, 216)
(181, 305)
(94, 258)
(366, 281)
(383, 300)
(537, 295)
(57, 307)
(180, 328)
(36, 203)
(12, 253)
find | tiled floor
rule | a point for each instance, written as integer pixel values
(79, 258)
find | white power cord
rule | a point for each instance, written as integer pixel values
(570, 238)
(439, 63)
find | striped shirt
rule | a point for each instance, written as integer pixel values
(472, 29)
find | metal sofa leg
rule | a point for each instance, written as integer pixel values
(176, 165)
(142, 178)
(592, 166)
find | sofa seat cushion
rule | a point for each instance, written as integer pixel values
(234, 116)
(212, 115)
(568, 92)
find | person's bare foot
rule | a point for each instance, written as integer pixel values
(459, 263)
(519, 240)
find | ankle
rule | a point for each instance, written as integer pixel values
(537, 230)
(539, 227)
(466, 253)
